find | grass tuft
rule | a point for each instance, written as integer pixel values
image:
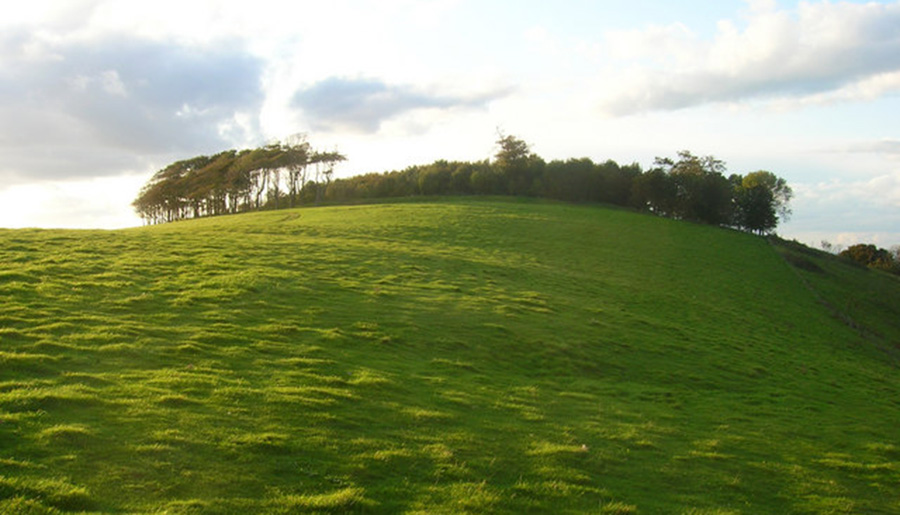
(44, 495)
(338, 501)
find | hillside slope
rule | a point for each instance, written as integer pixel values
(450, 356)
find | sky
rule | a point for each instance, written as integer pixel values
(97, 95)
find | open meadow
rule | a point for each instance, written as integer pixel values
(443, 356)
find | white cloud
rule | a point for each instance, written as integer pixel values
(109, 103)
(93, 88)
(847, 211)
(821, 52)
(675, 45)
(46, 13)
(882, 190)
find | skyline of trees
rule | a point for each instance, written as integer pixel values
(292, 173)
(277, 175)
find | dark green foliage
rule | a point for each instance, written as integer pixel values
(779, 189)
(761, 200)
(701, 191)
(520, 168)
(655, 191)
(691, 188)
(231, 181)
(435, 179)
(574, 180)
(754, 209)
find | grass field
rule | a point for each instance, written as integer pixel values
(443, 357)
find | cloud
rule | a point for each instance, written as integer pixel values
(881, 192)
(820, 53)
(847, 211)
(888, 147)
(362, 105)
(109, 102)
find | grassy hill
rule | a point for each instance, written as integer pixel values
(449, 356)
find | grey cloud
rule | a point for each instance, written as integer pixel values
(667, 91)
(888, 147)
(96, 108)
(807, 61)
(364, 104)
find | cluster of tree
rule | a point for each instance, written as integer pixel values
(578, 180)
(276, 175)
(696, 188)
(689, 188)
(874, 257)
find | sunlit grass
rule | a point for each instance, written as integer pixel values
(451, 357)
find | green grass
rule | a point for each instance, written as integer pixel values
(448, 356)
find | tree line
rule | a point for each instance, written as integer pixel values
(278, 175)
(282, 175)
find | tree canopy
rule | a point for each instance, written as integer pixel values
(871, 256)
(287, 174)
(276, 175)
